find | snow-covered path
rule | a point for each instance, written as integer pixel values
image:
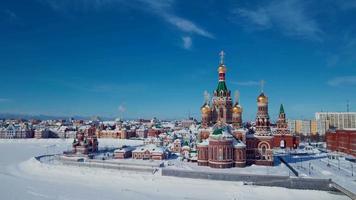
(22, 177)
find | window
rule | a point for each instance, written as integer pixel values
(220, 156)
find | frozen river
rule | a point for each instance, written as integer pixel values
(22, 177)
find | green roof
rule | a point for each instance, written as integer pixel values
(281, 109)
(221, 87)
(217, 131)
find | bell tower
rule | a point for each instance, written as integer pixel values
(262, 118)
(222, 102)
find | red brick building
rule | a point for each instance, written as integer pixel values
(343, 140)
(149, 152)
(85, 141)
(123, 152)
(222, 150)
(238, 146)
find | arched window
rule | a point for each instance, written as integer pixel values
(220, 156)
(282, 144)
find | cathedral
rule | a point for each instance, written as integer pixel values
(225, 142)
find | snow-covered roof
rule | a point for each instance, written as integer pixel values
(151, 148)
(124, 149)
(239, 144)
(203, 143)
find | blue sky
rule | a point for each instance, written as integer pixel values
(146, 58)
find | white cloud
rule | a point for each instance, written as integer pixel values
(161, 8)
(164, 9)
(187, 42)
(290, 16)
(342, 80)
(187, 26)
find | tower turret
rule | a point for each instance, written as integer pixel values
(262, 118)
(237, 112)
(222, 102)
(282, 126)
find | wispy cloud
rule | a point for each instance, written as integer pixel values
(8, 16)
(345, 4)
(187, 42)
(247, 83)
(187, 26)
(3, 100)
(342, 81)
(289, 16)
(164, 9)
(344, 52)
(161, 8)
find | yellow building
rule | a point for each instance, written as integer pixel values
(298, 126)
(313, 127)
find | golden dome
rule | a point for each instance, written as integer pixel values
(205, 109)
(222, 69)
(237, 109)
(262, 98)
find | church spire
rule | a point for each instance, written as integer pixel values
(222, 71)
(281, 109)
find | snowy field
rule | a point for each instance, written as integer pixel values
(22, 177)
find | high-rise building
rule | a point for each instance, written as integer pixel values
(302, 127)
(339, 120)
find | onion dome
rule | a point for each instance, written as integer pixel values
(237, 109)
(262, 98)
(205, 109)
(222, 69)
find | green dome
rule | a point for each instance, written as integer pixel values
(218, 131)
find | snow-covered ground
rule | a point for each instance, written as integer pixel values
(321, 167)
(22, 177)
(280, 170)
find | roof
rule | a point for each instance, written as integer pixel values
(150, 148)
(221, 87)
(281, 109)
(218, 131)
(125, 149)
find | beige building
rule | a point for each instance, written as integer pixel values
(302, 127)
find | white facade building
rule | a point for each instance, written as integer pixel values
(340, 120)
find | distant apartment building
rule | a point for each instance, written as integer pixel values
(302, 127)
(338, 120)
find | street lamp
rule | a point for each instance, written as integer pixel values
(352, 169)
